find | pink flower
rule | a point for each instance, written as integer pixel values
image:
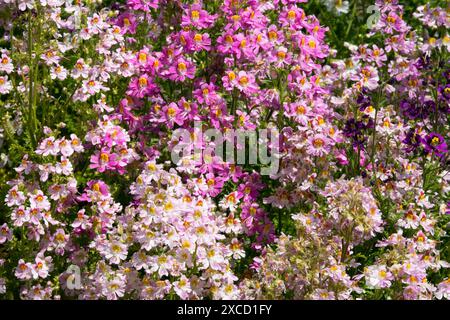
(144, 5)
(15, 197)
(127, 21)
(230, 201)
(246, 82)
(6, 64)
(116, 252)
(39, 201)
(229, 80)
(172, 114)
(201, 41)
(214, 184)
(58, 72)
(292, 16)
(65, 147)
(76, 143)
(20, 216)
(318, 145)
(5, 85)
(80, 69)
(182, 287)
(23, 270)
(103, 160)
(48, 146)
(197, 17)
(5, 233)
(92, 87)
(367, 78)
(142, 86)
(378, 277)
(50, 57)
(181, 70)
(41, 267)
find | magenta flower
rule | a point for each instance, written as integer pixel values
(246, 82)
(127, 21)
(142, 86)
(144, 5)
(173, 115)
(180, 70)
(103, 160)
(197, 17)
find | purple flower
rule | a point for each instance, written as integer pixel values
(412, 140)
(435, 143)
(445, 92)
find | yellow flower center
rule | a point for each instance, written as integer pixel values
(195, 15)
(391, 19)
(243, 80)
(182, 67)
(318, 143)
(104, 157)
(281, 55)
(142, 57)
(291, 14)
(143, 81)
(171, 112)
(435, 141)
(198, 37)
(273, 35)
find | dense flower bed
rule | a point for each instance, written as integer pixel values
(354, 96)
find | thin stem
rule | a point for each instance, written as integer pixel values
(31, 113)
(351, 20)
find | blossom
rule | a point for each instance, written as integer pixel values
(230, 201)
(20, 216)
(6, 64)
(15, 197)
(5, 233)
(103, 160)
(116, 252)
(435, 143)
(50, 57)
(360, 149)
(142, 86)
(58, 72)
(378, 277)
(182, 287)
(145, 5)
(5, 85)
(38, 200)
(23, 270)
(181, 70)
(318, 145)
(42, 267)
(197, 17)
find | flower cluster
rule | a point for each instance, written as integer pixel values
(96, 178)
